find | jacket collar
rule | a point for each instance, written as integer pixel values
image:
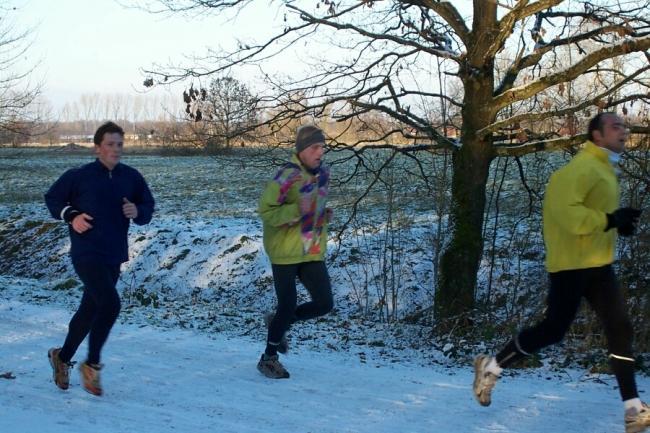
(600, 153)
(298, 162)
(98, 165)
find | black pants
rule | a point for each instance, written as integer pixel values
(567, 288)
(100, 306)
(313, 275)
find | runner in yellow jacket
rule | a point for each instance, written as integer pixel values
(582, 218)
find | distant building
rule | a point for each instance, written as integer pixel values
(77, 138)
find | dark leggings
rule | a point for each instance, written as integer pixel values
(313, 275)
(567, 288)
(100, 306)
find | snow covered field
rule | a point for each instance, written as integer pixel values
(205, 238)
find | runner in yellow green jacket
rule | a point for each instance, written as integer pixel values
(582, 218)
(294, 215)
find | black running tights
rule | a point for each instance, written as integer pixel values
(567, 288)
(314, 276)
(99, 308)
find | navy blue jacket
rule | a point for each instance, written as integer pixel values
(99, 192)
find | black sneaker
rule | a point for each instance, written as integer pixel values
(271, 367)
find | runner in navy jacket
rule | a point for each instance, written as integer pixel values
(97, 200)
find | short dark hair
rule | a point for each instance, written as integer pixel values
(108, 127)
(597, 124)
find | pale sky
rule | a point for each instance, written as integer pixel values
(89, 46)
(101, 46)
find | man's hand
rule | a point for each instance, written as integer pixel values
(80, 223)
(624, 220)
(129, 209)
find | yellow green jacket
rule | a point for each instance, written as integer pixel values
(578, 197)
(289, 236)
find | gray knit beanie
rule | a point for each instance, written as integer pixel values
(308, 135)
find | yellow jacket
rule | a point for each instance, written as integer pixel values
(578, 197)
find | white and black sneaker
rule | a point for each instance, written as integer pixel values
(637, 420)
(484, 380)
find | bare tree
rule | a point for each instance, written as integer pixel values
(222, 112)
(18, 92)
(87, 110)
(377, 56)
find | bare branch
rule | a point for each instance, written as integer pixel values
(507, 24)
(449, 13)
(311, 20)
(422, 125)
(569, 110)
(528, 90)
(523, 62)
(638, 129)
(540, 146)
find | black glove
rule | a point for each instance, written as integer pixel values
(624, 220)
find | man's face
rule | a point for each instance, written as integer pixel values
(614, 134)
(312, 155)
(109, 151)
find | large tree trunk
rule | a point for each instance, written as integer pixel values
(460, 261)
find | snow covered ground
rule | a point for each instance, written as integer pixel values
(160, 379)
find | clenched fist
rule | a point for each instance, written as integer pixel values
(80, 223)
(129, 209)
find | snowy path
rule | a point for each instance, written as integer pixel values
(181, 381)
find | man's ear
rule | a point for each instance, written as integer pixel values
(597, 135)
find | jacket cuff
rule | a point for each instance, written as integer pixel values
(138, 220)
(69, 213)
(610, 224)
